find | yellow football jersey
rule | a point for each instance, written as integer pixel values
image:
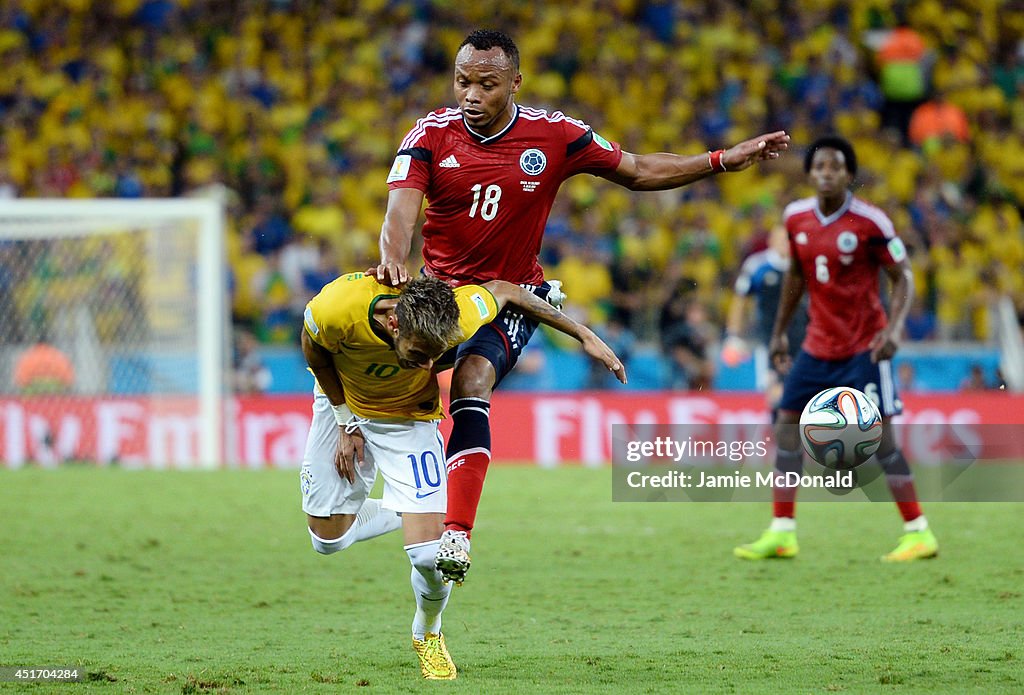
(340, 319)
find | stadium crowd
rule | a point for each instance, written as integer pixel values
(293, 110)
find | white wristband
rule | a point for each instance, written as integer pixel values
(341, 414)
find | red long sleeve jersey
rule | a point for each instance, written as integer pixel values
(488, 199)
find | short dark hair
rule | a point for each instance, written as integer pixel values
(833, 142)
(486, 39)
(427, 310)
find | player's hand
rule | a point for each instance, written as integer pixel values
(778, 352)
(393, 274)
(767, 146)
(597, 349)
(884, 345)
(349, 453)
(375, 273)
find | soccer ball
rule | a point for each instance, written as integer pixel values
(840, 428)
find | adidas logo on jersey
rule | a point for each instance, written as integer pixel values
(449, 162)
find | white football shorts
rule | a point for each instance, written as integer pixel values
(408, 453)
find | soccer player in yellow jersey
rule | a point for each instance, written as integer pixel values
(374, 351)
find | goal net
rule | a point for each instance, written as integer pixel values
(113, 338)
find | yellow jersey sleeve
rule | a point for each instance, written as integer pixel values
(477, 307)
(332, 314)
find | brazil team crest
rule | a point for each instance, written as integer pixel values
(306, 479)
(533, 161)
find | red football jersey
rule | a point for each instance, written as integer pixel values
(840, 256)
(488, 199)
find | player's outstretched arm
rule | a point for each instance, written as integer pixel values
(396, 235)
(537, 309)
(749, 152)
(663, 170)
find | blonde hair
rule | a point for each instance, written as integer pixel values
(427, 311)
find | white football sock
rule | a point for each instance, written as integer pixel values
(918, 524)
(783, 523)
(428, 587)
(327, 547)
(371, 521)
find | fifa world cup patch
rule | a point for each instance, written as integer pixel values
(311, 326)
(400, 169)
(481, 305)
(896, 249)
(601, 142)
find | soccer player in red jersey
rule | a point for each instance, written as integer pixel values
(838, 243)
(490, 170)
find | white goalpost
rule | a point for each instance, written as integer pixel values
(113, 332)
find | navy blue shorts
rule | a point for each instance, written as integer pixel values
(502, 340)
(809, 375)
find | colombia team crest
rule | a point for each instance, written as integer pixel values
(847, 242)
(533, 161)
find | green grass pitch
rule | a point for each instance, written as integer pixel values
(178, 582)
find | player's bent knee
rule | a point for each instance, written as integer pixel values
(421, 556)
(328, 546)
(474, 376)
